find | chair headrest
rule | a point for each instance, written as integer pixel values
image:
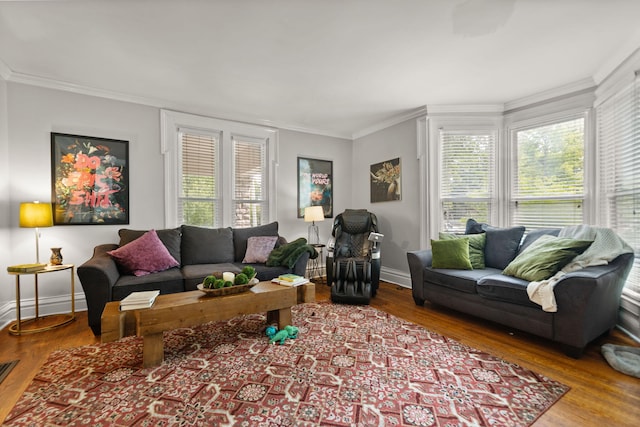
(356, 221)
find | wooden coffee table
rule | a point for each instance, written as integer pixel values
(187, 309)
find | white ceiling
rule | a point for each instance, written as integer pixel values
(326, 66)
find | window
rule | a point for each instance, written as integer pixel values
(619, 189)
(467, 184)
(217, 172)
(547, 175)
(249, 196)
(198, 201)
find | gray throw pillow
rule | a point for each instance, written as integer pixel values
(202, 245)
(241, 236)
(502, 243)
(502, 246)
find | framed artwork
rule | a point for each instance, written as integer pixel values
(385, 181)
(315, 185)
(89, 180)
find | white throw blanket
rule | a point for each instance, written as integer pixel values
(606, 246)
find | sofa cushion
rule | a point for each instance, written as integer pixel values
(505, 288)
(144, 255)
(259, 248)
(167, 282)
(545, 257)
(169, 237)
(202, 245)
(476, 246)
(502, 243)
(460, 280)
(241, 236)
(451, 254)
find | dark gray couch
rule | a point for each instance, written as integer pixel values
(587, 300)
(200, 252)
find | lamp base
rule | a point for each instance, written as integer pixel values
(314, 235)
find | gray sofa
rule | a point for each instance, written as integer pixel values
(587, 299)
(199, 251)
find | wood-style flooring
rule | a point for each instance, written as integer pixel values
(599, 395)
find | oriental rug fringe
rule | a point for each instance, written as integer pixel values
(349, 366)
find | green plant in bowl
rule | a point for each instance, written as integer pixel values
(241, 279)
(249, 271)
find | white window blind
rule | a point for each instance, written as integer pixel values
(619, 158)
(198, 200)
(217, 172)
(467, 179)
(548, 175)
(250, 197)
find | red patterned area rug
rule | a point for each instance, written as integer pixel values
(349, 366)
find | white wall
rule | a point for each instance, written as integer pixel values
(398, 220)
(298, 144)
(5, 217)
(32, 113)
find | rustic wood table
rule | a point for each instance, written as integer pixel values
(187, 309)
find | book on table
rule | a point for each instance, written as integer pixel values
(290, 280)
(25, 268)
(138, 300)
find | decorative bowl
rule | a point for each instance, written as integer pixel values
(230, 290)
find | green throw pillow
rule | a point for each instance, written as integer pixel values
(545, 257)
(452, 253)
(476, 247)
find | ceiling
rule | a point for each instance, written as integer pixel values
(324, 66)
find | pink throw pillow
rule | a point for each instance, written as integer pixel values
(146, 254)
(259, 248)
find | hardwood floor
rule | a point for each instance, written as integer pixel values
(599, 395)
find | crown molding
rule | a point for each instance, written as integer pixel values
(28, 79)
(617, 59)
(391, 121)
(5, 71)
(624, 74)
(47, 83)
(467, 110)
(568, 89)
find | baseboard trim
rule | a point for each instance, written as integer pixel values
(58, 304)
(396, 277)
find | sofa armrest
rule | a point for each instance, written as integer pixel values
(418, 261)
(97, 276)
(300, 267)
(588, 301)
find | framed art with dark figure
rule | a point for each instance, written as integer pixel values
(315, 185)
(385, 181)
(89, 180)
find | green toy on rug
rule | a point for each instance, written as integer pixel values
(275, 336)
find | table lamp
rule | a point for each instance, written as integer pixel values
(36, 215)
(313, 214)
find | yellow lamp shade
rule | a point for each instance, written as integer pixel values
(35, 214)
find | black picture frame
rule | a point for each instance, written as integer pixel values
(89, 180)
(385, 181)
(315, 185)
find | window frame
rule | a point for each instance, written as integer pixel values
(508, 203)
(492, 198)
(172, 122)
(429, 155)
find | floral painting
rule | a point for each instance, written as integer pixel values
(385, 181)
(315, 185)
(90, 180)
